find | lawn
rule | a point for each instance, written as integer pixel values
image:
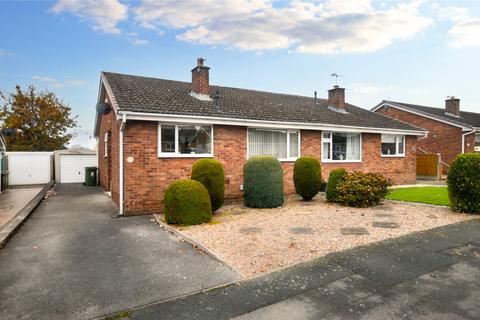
(430, 195)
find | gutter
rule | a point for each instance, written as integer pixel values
(121, 195)
(463, 138)
(261, 123)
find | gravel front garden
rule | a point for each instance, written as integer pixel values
(256, 241)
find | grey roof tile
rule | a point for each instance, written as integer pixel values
(466, 119)
(151, 95)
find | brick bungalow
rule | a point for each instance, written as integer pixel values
(150, 131)
(449, 130)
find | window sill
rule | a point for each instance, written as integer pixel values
(185, 155)
(342, 161)
(393, 156)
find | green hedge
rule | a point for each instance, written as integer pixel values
(336, 176)
(463, 183)
(307, 177)
(210, 173)
(263, 183)
(187, 202)
(360, 189)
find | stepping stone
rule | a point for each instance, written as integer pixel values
(383, 215)
(385, 224)
(384, 207)
(250, 230)
(354, 231)
(299, 230)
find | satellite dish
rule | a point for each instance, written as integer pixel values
(103, 108)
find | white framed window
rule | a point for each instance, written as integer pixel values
(477, 139)
(282, 144)
(185, 140)
(341, 147)
(393, 145)
(105, 145)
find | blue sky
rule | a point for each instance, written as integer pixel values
(411, 51)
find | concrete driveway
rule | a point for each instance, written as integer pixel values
(71, 260)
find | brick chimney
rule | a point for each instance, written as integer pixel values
(336, 97)
(452, 106)
(200, 83)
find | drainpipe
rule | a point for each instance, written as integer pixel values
(122, 129)
(463, 139)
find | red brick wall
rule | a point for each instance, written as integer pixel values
(108, 123)
(442, 138)
(148, 176)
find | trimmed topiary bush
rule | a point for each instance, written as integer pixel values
(307, 177)
(210, 173)
(263, 183)
(336, 176)
(187, 202)
(463, 183)
(359, 189)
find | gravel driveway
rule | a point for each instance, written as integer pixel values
(71, 260)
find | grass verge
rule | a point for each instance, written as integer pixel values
(429, 195)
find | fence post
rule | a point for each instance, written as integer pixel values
(439, 167)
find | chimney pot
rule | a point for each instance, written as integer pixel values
(200, 78)
(452, 106)
(336, 97)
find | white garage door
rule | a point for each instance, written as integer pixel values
(29, 167)
(72, 167)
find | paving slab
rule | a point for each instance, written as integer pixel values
(356, 231)
(301, 230)
(71, 260)
(385, 224)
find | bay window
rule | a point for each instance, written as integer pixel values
(477, 139)
(393, 145)
(282, 144)
(339, 146)
(185, 140)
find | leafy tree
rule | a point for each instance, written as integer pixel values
(35, 120)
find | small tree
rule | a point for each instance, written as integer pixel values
(463, 183)
(38, 119)
(307, 177)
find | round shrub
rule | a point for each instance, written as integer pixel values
(210, 173)
(336, 176)
(307, 177)
(263, 183)
(187, 202)
(360, 189)
(463, 183)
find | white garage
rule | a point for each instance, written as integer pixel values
(29, 168)
(70, 165)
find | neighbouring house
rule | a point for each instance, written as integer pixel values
(150, 131)
(449, 130)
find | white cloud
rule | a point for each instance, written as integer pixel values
(465, 33)
(104, 15)
(454, 13)
(58, 83)
(140, 42)
(5, 53)
(303, 26)
(367, 88)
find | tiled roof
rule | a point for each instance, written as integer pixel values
(466, 119)
(151, 95)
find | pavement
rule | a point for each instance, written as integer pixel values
(433, 274)
(13, 200)
(16, 205)
(71, 260)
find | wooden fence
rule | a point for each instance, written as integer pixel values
(429, 165)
